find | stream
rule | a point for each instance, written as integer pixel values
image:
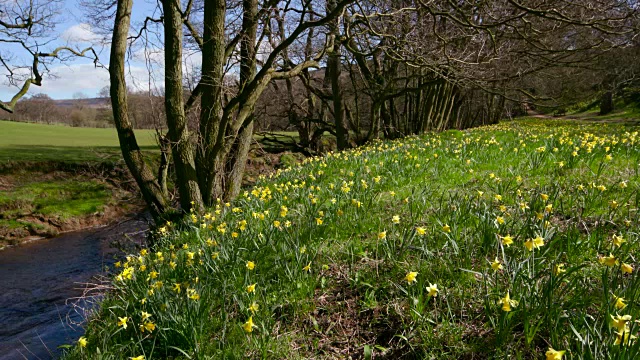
(41, 283)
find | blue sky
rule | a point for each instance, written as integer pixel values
(80, 75)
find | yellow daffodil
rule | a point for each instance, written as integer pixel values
(420, 230)
(544, 197)
(433, 290)
(507, 240)
(446, 228)
(382, 235)
(496, 264)
(500, 220)
(141, 357)
(554, 354)
(145, 315)
(626, 268)
(411, 277)
(620, 322)
(82, 341)
(193, 294)
(618, 240)
(251, 288)
(535, 243)
(253, 307)
(558, 269)
(122, 321)
(395, 219)
(307, 268)
(608, 260)
(624, 338)
(148, 326)
(507, 303)
(248, 326)
(620, 304)
(250, 265)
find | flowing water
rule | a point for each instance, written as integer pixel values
(41, 283)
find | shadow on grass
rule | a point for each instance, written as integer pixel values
(71, 154)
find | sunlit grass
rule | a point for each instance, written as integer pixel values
(515, 240)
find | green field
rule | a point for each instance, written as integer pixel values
(518, 240)
(54, 177)
(41, 143)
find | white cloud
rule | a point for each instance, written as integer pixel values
(86, 78)
(80, 33)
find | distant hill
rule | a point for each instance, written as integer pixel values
(97, 103)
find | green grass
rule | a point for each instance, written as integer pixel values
(59, 199)
(39, 142)
(347, 246)
(625, 113)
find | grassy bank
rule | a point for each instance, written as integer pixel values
(56, 178)
(513, 240)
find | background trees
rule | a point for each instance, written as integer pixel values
(355, 69)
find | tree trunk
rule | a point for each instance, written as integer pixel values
(151, 191)
(333, 67)
(213, 61)
(240, 150)
(606, 103)
(178, 134)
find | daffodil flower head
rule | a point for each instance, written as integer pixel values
(554, 354)
(618, 240)
(558, 269)
(122, 321)
(608, 260)
(254, 307)
(249, 325)
(620, 304)
(624, 338)
(620, 322)
(411, 277)
(82, 342)
(507, 303)
(307, 268)
(507, 240)
(251, 288)
(535, 243)
(626, 268)
(250, 265)
(433, 290)
(496, 264)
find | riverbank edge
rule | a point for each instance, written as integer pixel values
(120, 200)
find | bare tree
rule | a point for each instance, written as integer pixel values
(25, 27)
(209, 161)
